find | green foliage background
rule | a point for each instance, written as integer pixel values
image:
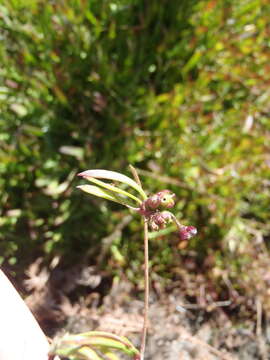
(179, 89)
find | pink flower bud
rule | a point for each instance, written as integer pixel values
(158, 220)
(163, 199)
(187, 232)
(152, 202)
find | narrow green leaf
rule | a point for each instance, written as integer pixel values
(75, 351)
(102, 339)
(112, 175)
(99, 192)
(84, 346)
(114, 189)
(65, 349)
(110, 355)
(88, 353)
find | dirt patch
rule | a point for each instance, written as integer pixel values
(81, 299)
(175, 333)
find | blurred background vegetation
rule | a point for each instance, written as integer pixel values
(178, 89)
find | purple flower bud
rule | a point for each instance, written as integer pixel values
(192, 230)
(187, 232)
(152, 202)
(158, 220)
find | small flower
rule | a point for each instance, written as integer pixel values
(187, 232)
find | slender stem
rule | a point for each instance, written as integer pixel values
(180, 226)
(146, 273)
(135, 175)
(146, 290)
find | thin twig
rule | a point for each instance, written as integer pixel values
(180, 226)
(135, 175)
(146, 273)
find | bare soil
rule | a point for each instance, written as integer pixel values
(178, 329)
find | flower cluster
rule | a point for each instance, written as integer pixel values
(159, 219)
(153, 210)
